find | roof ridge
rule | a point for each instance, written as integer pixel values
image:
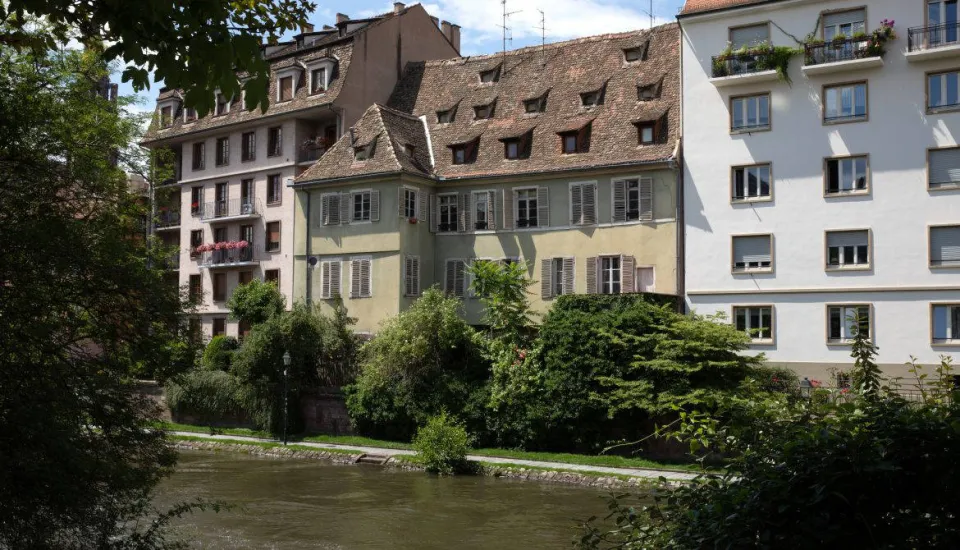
(391, 110)
(386, 131)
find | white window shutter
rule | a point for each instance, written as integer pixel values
(591, 275)
(335, 278)
(646, 198)
(546, 278)
(619, 201)
(568, 275)
(628, 274)
(434, 213)
(589, 204)
(576, 204)
(374, 206)
(354, 278)
(492, 210)
(325, 280)
(415, 276)
(460, 268)
(345, 204)
(507, 206)
(325, 209)
(365, 282)
(407, 272)
(543, 206)
(420, 200)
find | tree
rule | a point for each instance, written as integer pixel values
(502, 288)
(255, 302)
(865, 375)
(195, 45)
(340, 346)
(80, 309)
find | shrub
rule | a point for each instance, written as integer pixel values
(219, 353)
(340, 345)
(256, 301)
(442, 445)
(209, 395)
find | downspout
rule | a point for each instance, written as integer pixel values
(681, 236)
(308, 282)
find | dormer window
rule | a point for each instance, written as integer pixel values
(365, 152)
(286, 88)
(483, 112)
(166, 116)
(222, 105)
(650, 132)
(575, 141)
(189, 114)
(592, 99)
(465, 153)
(448, 116)
(638, 53)
(318, 80)
(490, 76)
(516, 148)
(535, 105)
(409, 149)
(649, 92)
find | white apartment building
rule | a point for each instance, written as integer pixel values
(233, 217)
(836, 191)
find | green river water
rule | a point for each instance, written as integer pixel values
(284, 503)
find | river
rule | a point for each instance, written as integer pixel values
(287, 503)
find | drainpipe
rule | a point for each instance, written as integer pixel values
(308, 281)
(681, 235)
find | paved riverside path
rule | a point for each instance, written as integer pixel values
(643, 473)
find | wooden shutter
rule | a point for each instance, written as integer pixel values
(543, 206)
(507, 207)
(576, 204)
(374, 206)
(492, 210)
(355, 278)
(589, 203)
(345, 207)
(945, 246)
(449, 279)
(628, 274)
(592, 275)
(546, 278)
(411, 276)
(568, 275)
(459, 273)
(619, 201)
(434, 213)
(365, 281)
(646, 198)
(416, 276)
(421, 199)
(335, 268)
(325, 280)
(463, 217)
(325, 209)
(944, 167)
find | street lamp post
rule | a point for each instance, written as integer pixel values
(286, 407)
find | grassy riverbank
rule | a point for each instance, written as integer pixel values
(610, 461)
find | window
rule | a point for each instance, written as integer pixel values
(365, 152)
(577, 141)
(757, 321)
(465, 153)
(943, 168)
(751, 182)
(166, 117)
(195, 289)
(221, 204)
(511, 149)
(199, 155)
(361, 206)
(274, 189)
(848, 249)
(583, 203)
(196, 239)
(483, 210)
(330, 204)
(846, 176)
(189, 114)
(646, 133)
(196, 201)
(411, 276)
(526, 202)
(945, 246)
(750, 113)
(946, 323)
(246, 196)
(535, 105)
(843, 380)
(610, 275)
(222, 105)
(220, 326)
(846, 23)
(649, 92)
(490, 76)
(223, 151)
(556, 277)
(518, 147)
(360, 279)
(448, 212)
(273, 236)
(638, 53)
(286, 88)
(842, 322)
(569, 143)
(646, 279)
(455, 279)
(845, 103)
(749, 35)
(943, 89)
(592, 99)
(219, 287)
(753, 254)
(272, 276)
(633, 200)
(275, 141)
(482, 112)
(408, 203)
(318, 80)
(445, 117)
(330, 278)
(243, 330)
(248, 146)
(244, 277)
(942, 17)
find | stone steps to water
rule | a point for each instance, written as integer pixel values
(373, 459)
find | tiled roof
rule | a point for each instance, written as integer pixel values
(563, 71)
(699, 6)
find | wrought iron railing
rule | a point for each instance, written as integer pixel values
(933, 36)
(833, 51)
(309, 154)
(740, 64)
(230, 208)
(169, 218)
(252, 253)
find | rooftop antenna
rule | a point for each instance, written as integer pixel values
(650, 13)
(506, 29)
(543, 37)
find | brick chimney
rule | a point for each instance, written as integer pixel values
(306, 28)
(436, 20)
(446, 29)
(342, 18)
(455, 36)
(398, 7)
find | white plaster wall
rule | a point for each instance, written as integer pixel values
(898, 209)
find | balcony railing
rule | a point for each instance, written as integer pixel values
(833, 51)
(237, 257)
(310, 154)
(236, 208)
(741, 64)
(933, 36)
(169, 218)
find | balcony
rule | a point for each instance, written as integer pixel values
(227, 258)
(236, 209)
(171, 262)
(842, 56)
(933, 42)
(168, 220)
(747, 68)
(310, 154)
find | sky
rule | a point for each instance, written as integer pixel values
(481, 20)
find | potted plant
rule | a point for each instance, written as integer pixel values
(839, 40)
(412, 221)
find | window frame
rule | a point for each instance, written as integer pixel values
(166, 119)
(359, 194)
(746, 26)
(189, 115)
(213, 328)
(195, 297)
(752, 270)
(933, 110)
(734, 130)
(202, 164)
(488, 213)
(842, 193)
(216, 104)
(248, 154)
(943, 342)
(278, 150)
(214, 287)
(601, 279)
(198, 211)
(640, 50)
(842, 266)
(576, 143)
(822, 29)
(583, 185)
(454, 226)
(279, 197)
(411, 191)
(871, 324)
(222, 151)
(408, 277)
(848, 119)
(268, 279)
(930, 229)
(942, 187)
(314, 89)
(749, 199)
(773, 322)
(517, 144)
(516, 206)
(350, 291)
(646, 125)
(293, 86)
(266, 237)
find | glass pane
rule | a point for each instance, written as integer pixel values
(835, 324)
(738, 113)
(936, 99)
(834, 255)
(738, 183)
(846, 101)
(940, 322)
(764, 173)
(848, 255)
(861, 165)
(951, 95)
(764, 110)
(860, 99)
(752, 183)
(863, 254)
(831, 99)
(752, 111)
(741, 319)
